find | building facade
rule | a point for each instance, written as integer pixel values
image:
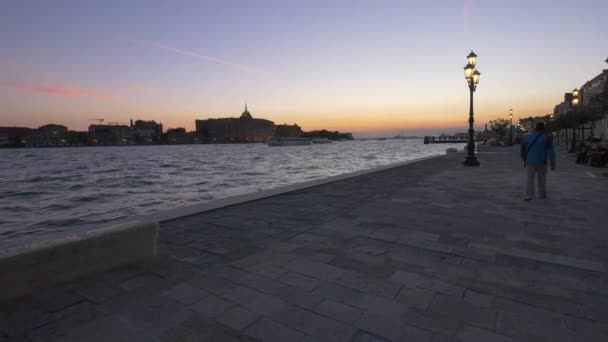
(589, 90)
(147, 132)
(287, 131)
(76, 138)
(598, 130)
(51, 135)
(110, 135)
(529, 124)
(244, 129)
(14, 136)
(563, 107)
(179, 135)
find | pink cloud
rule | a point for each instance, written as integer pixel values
(38, 81)
(55, 90)
(45, 82)
(26, 69)
(237, 66)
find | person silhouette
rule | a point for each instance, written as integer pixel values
(536, 151)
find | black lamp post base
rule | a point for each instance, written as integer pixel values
(471, 161)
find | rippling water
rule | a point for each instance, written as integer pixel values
(50, 189)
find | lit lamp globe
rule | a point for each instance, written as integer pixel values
(476, 77)
(468, 71)
(575, 92)
(472, 58)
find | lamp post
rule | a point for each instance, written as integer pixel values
(575, 102)
(472, 76)
(510, 127)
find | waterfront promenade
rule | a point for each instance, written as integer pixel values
(431, 251)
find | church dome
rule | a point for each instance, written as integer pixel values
(246, 114)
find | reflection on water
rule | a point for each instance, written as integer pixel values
(56, 189)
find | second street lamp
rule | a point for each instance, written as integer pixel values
(575, 102)
(510, 127)
(472, 76)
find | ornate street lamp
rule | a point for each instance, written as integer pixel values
(472, 76)
(510, 127)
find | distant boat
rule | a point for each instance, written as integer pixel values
(289, 141)
(321, 141)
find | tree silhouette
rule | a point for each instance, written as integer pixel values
(499, 126)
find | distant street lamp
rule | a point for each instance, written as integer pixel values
(520, 128)
(510, 127)
(575, 102)
(472, 76)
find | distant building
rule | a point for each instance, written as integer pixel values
(591, 89)
(110, 135)
(587, 91)
(179, 136)
(77, 138)
(146, 132)
(287, 131)
(461, 136)
(529, 124)
(563, 107)
(50, 135)
(243, 129)
(325, 134)
(14, 136)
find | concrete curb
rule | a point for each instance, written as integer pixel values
(172, 214)
(27, 267)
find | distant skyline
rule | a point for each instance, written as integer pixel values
(368, 67)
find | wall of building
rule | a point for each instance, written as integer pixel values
(235, 130)
(110, 135)
(287, 131)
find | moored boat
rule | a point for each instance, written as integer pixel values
(289, 141)
(321, 141)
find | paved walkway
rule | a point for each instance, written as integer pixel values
(426, 252)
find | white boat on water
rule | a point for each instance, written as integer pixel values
(321, 141)
(289, 141)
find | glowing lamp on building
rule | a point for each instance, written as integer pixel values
(575, 93)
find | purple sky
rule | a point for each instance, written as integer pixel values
(374, 67)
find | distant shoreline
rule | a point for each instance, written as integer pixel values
(205, 143)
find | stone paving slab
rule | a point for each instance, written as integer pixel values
(431, 251)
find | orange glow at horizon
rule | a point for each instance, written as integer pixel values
(367, 120)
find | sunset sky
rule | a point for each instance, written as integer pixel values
(369, 67)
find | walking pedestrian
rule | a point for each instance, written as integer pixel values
(536, 152)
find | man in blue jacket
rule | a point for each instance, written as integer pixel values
(536, 150)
